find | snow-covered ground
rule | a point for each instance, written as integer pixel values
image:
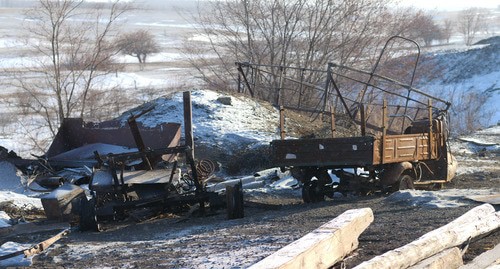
(244, 122)
(269, 182)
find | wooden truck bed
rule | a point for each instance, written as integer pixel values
(353, 151)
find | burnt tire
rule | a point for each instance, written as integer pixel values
(312, 192)
(235, 204)
(88, 217)
(404, 182)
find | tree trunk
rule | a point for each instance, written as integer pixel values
(324, 246)
(477, 221)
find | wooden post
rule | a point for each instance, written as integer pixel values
(323, 247)
(188, 121)
(477, 221)
(384, 132)
(282, 123)
(448, 259)
(279, 100)
(430, 128)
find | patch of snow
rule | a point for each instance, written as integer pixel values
(20, 200)
(4, 220)
(243, 122)
(437, 199)
(17, 261)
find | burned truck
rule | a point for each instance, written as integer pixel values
(400, 137)
(112, 170)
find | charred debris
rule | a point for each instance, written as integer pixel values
(99, 172)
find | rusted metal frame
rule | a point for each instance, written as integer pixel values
(174, 167)
(339, 95)
(240, 70)
(295, 80)
(411, 81)
(118, 184)
(416, 113)
(133, 155)
(325, 95)
(448, 104)
(137, 136)
(279, 99)
(332, 123)
(392, 119)
(379, 88)
(372, 73)
(272, 66)
(301, 86)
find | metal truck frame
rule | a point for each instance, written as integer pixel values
(396, 149)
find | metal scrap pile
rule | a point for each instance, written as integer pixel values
(108, 171)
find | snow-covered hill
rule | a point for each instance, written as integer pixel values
(470, 69)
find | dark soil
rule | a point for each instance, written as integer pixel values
(274, 221)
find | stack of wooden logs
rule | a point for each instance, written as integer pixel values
(333, 241)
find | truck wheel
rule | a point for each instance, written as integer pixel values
(404, 182)
(88, 217)
(306, 197)
(312, 192)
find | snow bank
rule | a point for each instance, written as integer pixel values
(437, 199)
(244, 121)
(4, 220)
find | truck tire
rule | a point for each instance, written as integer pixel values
(404, 182)
(88, 217)
(312, 192)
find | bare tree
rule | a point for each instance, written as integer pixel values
(70, 39)
(469, 111)
(301, 33)
(469, 23)
(138, 44)
(425, 28)
(447, 30)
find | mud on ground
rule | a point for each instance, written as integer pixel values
(190, 241)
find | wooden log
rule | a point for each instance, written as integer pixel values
(447, 259)
(324, 246)
(62, 203)
(485, 260)
(475, 222)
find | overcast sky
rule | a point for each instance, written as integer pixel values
(451, 4)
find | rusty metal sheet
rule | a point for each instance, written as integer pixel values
(102, 179)
(74, 133)
(351, 151)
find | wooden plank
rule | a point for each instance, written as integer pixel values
(485, 260)
(447, 259)
(477, 221)
(324, 246)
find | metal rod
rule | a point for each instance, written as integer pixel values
(363, 119)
